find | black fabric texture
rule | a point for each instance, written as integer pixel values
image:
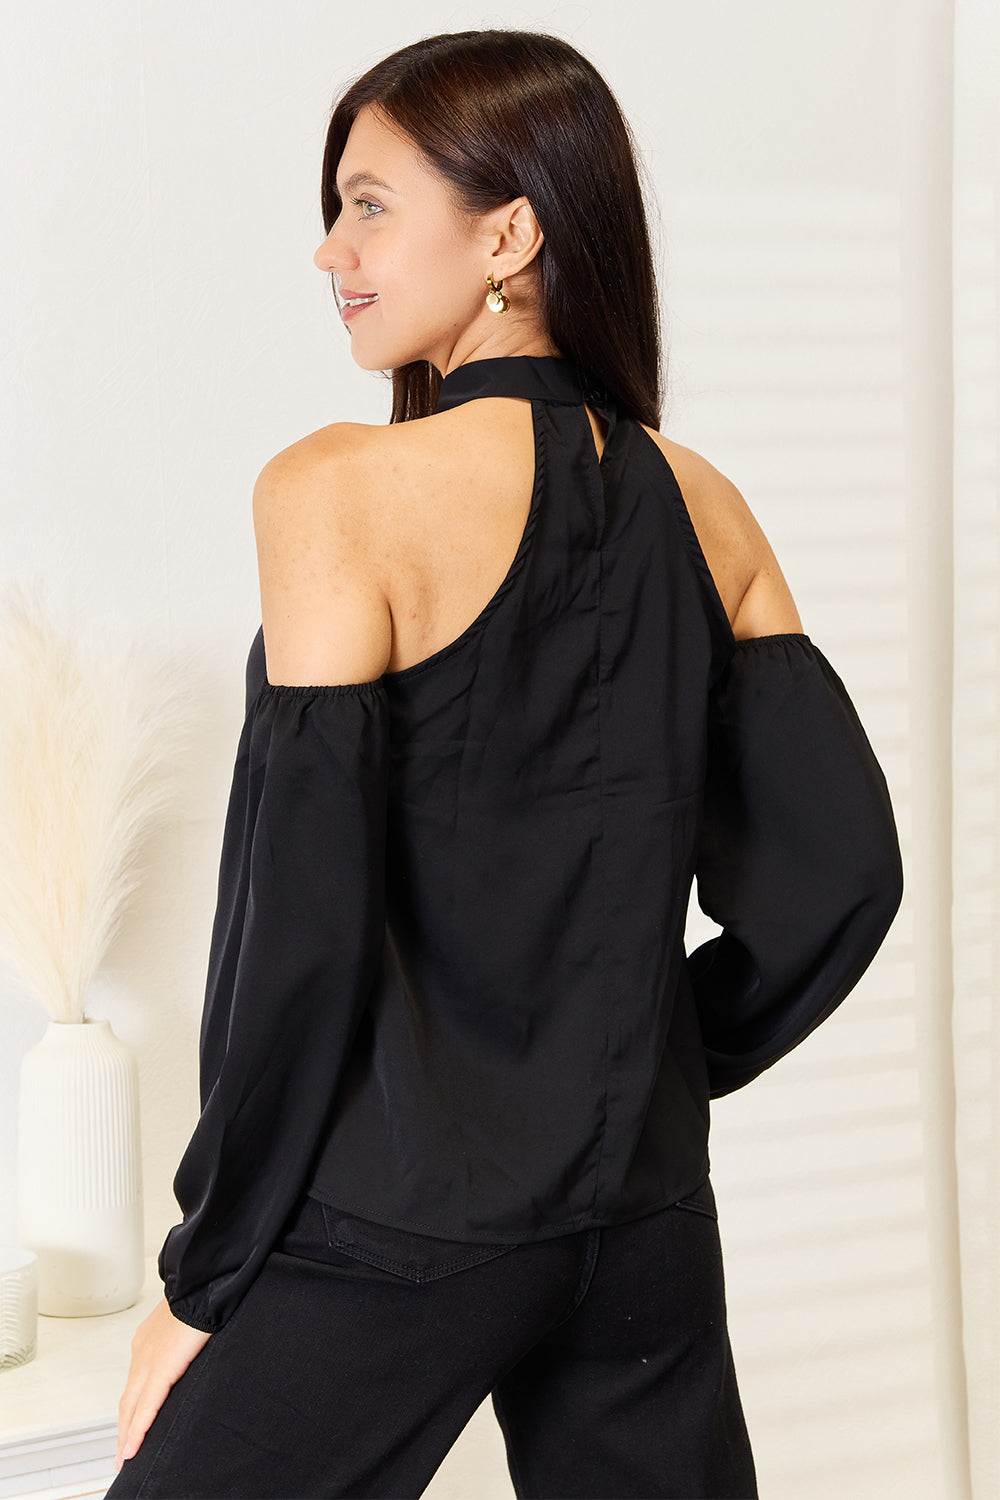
(798, 859)
(606, 1353)
(447, 988)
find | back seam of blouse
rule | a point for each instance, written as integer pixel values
(605, 986)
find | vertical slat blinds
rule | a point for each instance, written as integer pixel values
(784, 324)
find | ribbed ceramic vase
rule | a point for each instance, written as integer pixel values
(79, 1169)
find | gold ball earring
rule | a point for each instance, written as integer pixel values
(495, 299)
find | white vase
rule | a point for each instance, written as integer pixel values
(79, 1169)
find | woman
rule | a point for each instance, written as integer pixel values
(530, 667)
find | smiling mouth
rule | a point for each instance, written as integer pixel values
(359, 301)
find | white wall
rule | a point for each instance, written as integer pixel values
(166, 333)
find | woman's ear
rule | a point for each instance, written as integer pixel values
(516, 237)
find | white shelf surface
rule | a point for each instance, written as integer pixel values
(59, 1414)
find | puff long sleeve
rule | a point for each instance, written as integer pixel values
(799, 858)
(297, 938)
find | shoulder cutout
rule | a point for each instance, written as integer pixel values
(753, 589)
(325, 614)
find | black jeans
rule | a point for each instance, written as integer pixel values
(360, 1352)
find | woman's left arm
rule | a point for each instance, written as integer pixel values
(296, 943)
(300, 920)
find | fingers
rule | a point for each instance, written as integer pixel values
(162, 1349)
(136, 1418)
(132, 1408)
(126, 1407)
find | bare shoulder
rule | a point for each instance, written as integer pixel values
(342, 515)
(304, 475)
(325, 614)
(753, 589)
(349, 482)
(352, 449)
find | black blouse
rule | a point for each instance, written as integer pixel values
(447, 987)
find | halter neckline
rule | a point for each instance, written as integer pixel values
(533, 377)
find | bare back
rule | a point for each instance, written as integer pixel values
(453, 520)
(379, 546)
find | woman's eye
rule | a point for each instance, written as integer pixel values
(365, 204)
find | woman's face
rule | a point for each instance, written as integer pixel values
(420, 264)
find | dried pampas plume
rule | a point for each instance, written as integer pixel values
(86, 739)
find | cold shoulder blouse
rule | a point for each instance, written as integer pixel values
(447, 987)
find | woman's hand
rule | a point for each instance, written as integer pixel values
(162, 1349)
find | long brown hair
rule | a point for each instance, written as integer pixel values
(506, 114)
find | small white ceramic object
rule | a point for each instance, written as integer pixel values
(18, 1306)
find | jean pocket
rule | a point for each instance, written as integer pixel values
(402, 1252)
(701, 1201)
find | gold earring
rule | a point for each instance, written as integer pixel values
(495, 299)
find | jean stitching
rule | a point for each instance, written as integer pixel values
(689, 1201)
(696, 1208)
(586, 1275)
(414, 1273)
(474, 1255)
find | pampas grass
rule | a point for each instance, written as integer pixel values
(85, 738)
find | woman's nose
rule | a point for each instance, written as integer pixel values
(334, 253)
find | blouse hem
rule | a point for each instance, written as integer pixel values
(518, 1237)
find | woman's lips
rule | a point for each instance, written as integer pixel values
(351, 302)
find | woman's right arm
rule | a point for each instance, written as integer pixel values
(798, 859)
